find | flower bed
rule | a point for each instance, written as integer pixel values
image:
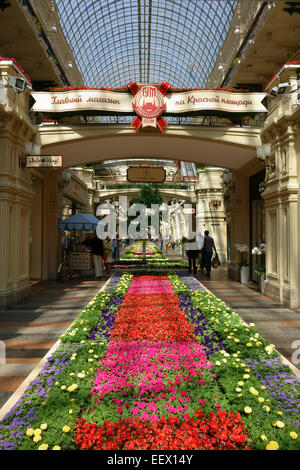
(153, 362)
(135, 252)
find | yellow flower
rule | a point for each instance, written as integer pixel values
(279, 412)
(63, 387)
(37, 431)
(66, 428)
(44, 426)
(253, 391)
(236, 340)
(247, 409)
(267, 408)
(279, 424)
(246, 376)
(238, 389)
(293, 435)
(240, 383)
(37, 438)
(29, 432)
(56, 448)
(263, 437)
(240, 394)
(43, 447)
(261, 399)
(272, 446)
(72, 387)
(91, 351)
(249, 345)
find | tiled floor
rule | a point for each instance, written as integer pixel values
(29, 329)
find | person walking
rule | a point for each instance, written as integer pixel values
(97, 250)
(207, 251)
(116, 247)
(107, 255)
(192, 254)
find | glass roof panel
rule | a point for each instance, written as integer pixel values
(116, 41)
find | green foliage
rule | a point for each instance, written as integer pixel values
(149, 194)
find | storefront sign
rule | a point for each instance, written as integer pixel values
(44, 161)
(147, 102)
(146, 175)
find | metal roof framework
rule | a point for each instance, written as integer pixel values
(116, 41)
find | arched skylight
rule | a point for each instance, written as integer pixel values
(116, 41)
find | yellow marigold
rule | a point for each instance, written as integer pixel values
(43, 447)
(37, 438)
(263, 437)
(272, 446)
(44, 426)
(253, 391)
(37, 431)
(293, 435)
(29, 432)
(246, 376)
(261, 399)
(267, 408)
(249, 345)
(247, 409)
(66, 428)
(56, 448)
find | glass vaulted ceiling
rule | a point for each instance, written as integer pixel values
(116, 41)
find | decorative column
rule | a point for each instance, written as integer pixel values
(210, 203)
(15, 211)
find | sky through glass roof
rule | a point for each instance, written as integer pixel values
(116, 41)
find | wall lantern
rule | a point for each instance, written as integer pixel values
(263, 152)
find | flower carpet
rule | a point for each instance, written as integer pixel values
(135, 252)
(158, 362)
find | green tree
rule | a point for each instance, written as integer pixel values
(149, 194)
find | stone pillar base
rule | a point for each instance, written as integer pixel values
(14, 296)
(282, 294)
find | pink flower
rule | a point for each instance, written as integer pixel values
(119, 410)
(135, 411)
(171, 409)
(201, 402)
(217, 406)
(153, 418)
(152, 406)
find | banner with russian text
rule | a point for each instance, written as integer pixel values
(194, 102)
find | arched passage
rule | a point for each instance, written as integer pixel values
(226, 147)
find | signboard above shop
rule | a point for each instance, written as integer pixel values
(44, 161)
(146, 175)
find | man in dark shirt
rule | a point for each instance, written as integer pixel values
(207, 251)
(97, 250)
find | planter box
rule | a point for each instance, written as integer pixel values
(245, 272)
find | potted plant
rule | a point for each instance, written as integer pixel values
(260, 270)
(243, 264)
